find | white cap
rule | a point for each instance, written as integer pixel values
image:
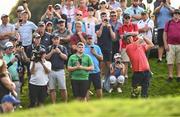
(8, 44)
(1, 62)
(117, 55)
(4, 15)
(102, 1)
(20, 8)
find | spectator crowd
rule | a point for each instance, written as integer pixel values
(95, 41)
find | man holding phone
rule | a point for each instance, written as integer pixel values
(105, 35)
(79, 65)
(94, 51)
(162, 11)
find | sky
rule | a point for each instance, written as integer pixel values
(7, 5)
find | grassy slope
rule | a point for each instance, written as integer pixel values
(108, 108)
(158, 88)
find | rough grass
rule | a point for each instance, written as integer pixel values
(121, 104)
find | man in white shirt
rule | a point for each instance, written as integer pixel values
(40, 69)
(6, 30)
(146, 25)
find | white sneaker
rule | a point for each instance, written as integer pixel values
(110, 90)
(126, 76)
(119, 90)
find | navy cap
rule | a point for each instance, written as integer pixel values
(11, 99)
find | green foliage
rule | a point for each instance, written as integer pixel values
(37, 8)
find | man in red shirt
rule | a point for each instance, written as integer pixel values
(136, 50)
(127, 27)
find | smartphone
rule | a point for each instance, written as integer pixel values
(164, 1)
(20, 20)
(80, 61)
(24, 1)
(92, 47)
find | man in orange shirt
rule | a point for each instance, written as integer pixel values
(136, 50)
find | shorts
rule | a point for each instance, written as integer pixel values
(79, 88)
(37, 94)
(57, 77)
(173, 54)
(96, 80)
(160, 37)
(125, 57)
(107, 55)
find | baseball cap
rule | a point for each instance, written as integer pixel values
(42, 50)
(90, 9)
(57, 6)
(176, 11)
(61, 20)
(36, 35)
(1, 62)
(49, 22)
(12, 38)
(117, 55)
(144, 12)
(41, 23)
(55, 36)
(4, 15)
(24, 11)
(11, 99)
(126, 35)
(80, 43)
(89, 36)
(8, 45)
(102, 1)
(20, 8)
(126, 15)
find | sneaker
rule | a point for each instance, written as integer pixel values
(178, 79)
(110, 90)
(90, 92)
(169, 79)
(119, 90)
(159, 61)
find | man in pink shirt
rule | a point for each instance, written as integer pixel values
(136, 50)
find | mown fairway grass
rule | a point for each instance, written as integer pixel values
(161, 107)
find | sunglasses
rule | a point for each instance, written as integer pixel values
(89, 38)
(102, 3)
(177, 13)
(126, 17)
(78, 14)
(113, 15)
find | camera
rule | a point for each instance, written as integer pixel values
(36, 54)
(19, 44)
(105, 21)
(164, 1)
(118, 62)
(54, 46)
(20, 20)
